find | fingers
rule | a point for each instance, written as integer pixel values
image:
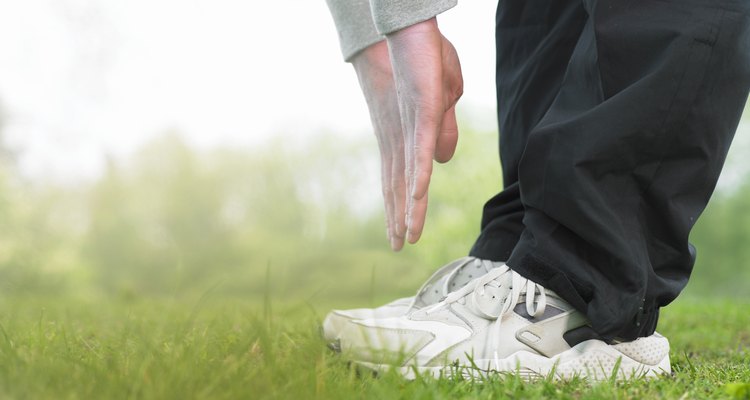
(419, 156)
(417, 217)
(398, 184)
(423, 149)
(431, 142)
(447, 138)
(393, 186)
(385, 184)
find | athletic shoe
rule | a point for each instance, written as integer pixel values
(499, 323)
(445, 280)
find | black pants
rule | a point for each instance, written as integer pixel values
(615, 119)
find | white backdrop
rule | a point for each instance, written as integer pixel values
(81, 79)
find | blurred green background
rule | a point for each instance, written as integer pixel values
(285, 220)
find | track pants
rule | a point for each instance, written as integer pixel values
(615, 120)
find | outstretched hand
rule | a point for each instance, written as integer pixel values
(411, 86)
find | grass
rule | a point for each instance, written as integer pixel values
(222, 348)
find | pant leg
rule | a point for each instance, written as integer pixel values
(617, 171)
(534, 42)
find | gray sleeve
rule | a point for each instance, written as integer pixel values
(392, 15)
(356, 29)
(361, 23)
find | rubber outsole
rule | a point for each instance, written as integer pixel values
(593, 360)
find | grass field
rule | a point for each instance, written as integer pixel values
(220, 348)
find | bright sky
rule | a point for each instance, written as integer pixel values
(81, 79)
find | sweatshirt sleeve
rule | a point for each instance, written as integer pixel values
(354, 24)
(392, 15)
(361, 23)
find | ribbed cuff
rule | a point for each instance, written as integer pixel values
(353, 19)
(393, 15)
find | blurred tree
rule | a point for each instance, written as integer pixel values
(171, 219)
(28, 244)
(722, 238)
(7, 231)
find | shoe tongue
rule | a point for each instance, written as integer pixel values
(462, 272)
(495, 293)
(465, 274)
(432, 291)
(501, 282)
(497, 290)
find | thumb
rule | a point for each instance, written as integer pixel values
(447, 137)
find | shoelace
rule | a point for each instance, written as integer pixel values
(514, 284)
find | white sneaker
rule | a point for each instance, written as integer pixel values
(448, 278)
(499, 323)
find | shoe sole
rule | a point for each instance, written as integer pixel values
(592, 359)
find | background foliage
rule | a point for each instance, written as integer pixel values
(301, 221)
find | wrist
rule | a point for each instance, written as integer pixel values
(427, 27)
(374, 54)
(373, 68)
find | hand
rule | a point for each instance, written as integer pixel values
(373, 67)
(414, 124)
(429, 82)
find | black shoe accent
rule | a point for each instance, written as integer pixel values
(580, 335)
(549, 312)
